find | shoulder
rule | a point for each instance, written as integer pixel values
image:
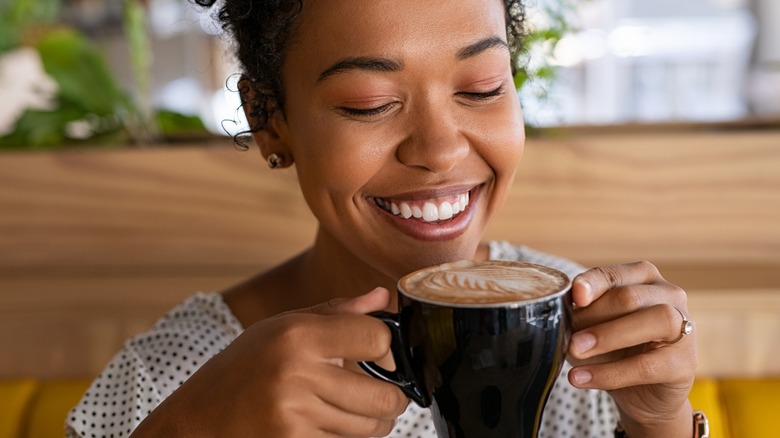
(152, 365)
(204, 313)
(182, 340)
(188, 335)
(503, 250)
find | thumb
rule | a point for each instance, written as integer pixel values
(377, 299)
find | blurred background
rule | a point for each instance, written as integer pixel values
(169, 73)
(634, 61)
(654, 133)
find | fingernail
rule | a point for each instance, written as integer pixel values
(582, 342)
(586, 287)
(581, 377)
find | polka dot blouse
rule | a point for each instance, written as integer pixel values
(151, 366)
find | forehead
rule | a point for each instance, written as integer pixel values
(332, 29)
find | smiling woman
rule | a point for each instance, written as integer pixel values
(405, 132)
(402, 118)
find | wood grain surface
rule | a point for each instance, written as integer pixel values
(95, 245)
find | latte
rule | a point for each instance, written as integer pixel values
(483, 283)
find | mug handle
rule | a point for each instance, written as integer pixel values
(402, 377)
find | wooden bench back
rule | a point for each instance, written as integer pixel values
(95, 245)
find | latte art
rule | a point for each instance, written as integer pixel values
(490, 282)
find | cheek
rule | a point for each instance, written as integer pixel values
(510, 146)
(504, 141)
(335, 162)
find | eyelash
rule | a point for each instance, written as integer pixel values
(486, 95)
(358, 112)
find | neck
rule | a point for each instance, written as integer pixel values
(329, 270)
(325, 271)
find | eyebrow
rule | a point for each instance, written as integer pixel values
(362, 63)
(367, 63)
(481, 46)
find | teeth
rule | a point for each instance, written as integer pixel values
(445, 210)
(406, 212)
(430, 211)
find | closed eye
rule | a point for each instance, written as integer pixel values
(365, 112)
(484, 95)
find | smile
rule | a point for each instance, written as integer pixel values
(428, 210)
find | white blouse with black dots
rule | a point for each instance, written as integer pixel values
(154, 364)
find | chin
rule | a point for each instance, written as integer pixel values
(434, 253)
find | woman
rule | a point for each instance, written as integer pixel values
(402, 122)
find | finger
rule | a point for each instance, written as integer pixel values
(329, 420)
(624, 300)
(347, 424)
(362, 395)
(661, 365)
(593, 283)
(659, 323)
(375, 300)
(302, 395)
(351, 337)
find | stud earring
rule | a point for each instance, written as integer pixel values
(275, 161)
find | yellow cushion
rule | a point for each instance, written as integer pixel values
(752, 406)
(735, 407)
(15, 396)
(705, 396)
(51, 406)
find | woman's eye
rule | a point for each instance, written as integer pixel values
(365, 112)
(484, 95)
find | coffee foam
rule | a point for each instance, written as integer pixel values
(490, 282)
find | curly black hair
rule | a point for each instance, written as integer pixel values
(261, 30)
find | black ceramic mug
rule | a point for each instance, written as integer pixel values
(481, 344)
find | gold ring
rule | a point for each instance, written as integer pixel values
(686, 328)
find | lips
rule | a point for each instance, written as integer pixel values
(431, 215)
(428, 210)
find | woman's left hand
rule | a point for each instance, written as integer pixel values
(625, 323)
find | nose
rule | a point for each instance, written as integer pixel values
(436, 142)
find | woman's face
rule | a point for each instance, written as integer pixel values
(404, 125)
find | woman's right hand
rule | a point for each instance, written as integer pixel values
(291, 376)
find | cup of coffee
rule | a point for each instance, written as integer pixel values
(480, 343)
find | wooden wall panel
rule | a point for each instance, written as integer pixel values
(671, 197)
(95, 245)
(185, 206)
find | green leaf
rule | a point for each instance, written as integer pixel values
(17, 15)
(39, 129)
(84, 79)
(86, 91)
(520, 78)
(174, 124)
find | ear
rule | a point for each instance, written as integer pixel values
(269, 128)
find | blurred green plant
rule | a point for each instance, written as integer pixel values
(549, 21)
(89, 106)
(18, 15)
(541, 40)
(144, 127)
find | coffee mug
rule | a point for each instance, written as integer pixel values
(480, 343)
